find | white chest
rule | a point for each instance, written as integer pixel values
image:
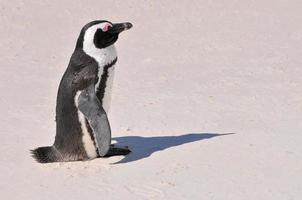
(103, 57)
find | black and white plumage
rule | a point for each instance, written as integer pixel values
(83, 130)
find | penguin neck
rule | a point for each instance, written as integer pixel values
(102, 56)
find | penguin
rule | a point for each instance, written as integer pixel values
(82, 127)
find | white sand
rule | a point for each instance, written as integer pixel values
(203, 67)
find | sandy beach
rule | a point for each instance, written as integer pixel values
(207, 95)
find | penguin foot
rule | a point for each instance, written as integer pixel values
(117, 151)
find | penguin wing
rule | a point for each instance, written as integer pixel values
(91, 107)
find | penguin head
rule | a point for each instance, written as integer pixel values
(100, 34)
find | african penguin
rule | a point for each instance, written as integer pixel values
(82, 127)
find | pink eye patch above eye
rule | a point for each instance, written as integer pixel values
(106, 27)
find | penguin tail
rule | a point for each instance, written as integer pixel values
(46, 154)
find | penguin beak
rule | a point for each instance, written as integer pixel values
(117, 28)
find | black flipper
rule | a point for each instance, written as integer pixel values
(90, 106)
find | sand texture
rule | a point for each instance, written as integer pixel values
(207, 95)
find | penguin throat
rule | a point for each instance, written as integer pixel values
(102, 56)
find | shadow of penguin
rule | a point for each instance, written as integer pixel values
(143, 147)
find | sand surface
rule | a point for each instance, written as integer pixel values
(189, 74)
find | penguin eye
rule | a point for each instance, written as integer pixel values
(106, 27)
